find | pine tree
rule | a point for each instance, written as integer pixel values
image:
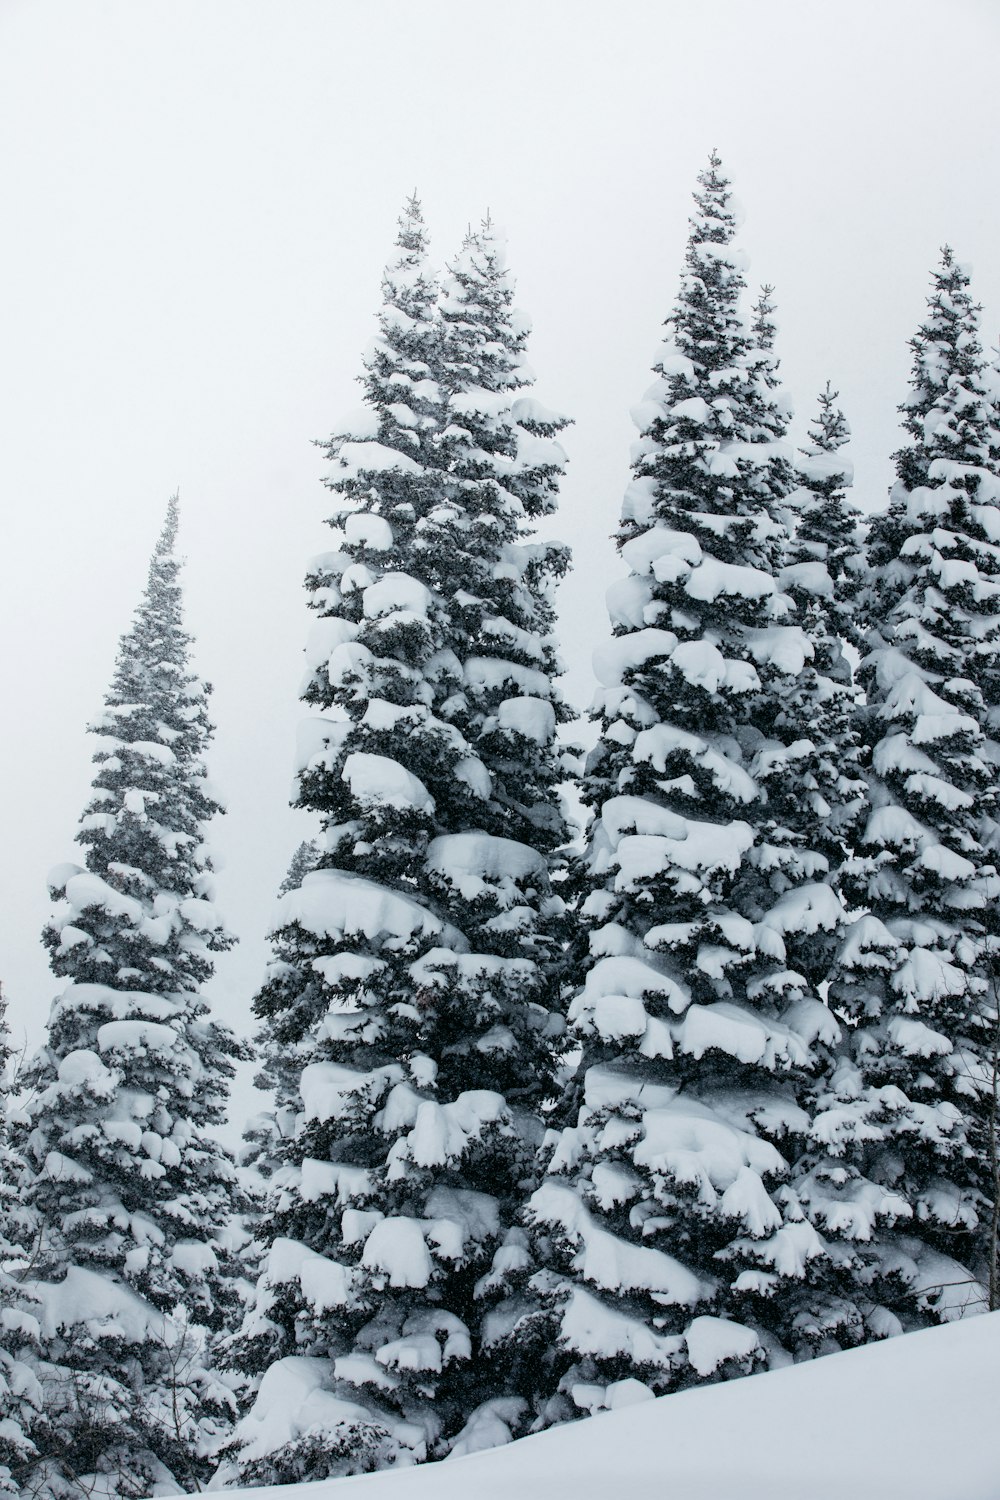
(303, 861)
(21, 1397)
(417, 983)
(915, 1098)
(130, 1189)
(828, 793)
(942, 357)
(827, 529)
(675, 1246)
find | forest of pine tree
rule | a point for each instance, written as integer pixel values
(558, 1116)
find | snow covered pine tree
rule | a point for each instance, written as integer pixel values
(21, 1399)
(129, 1188)
(827, 798)
(676, 1246)
(417, 980)
(916, 1097)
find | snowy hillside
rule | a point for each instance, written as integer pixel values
(864, 1425)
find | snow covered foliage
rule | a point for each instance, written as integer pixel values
(945, 414)
(130, 1190)
(828, 525)
(415, 988)
(821, 573)
(21, 1399)
(916, 1097)
(142, 909)
(676, 1246)
(281, 1066)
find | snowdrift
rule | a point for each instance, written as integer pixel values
(914, 1418)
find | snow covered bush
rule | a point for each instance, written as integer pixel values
(914, 1101)
(411, 1019)
(128, 1188)
(678, 1243)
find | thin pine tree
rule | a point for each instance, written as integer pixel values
(128, 1186)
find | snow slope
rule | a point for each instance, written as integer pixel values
(912, 1418)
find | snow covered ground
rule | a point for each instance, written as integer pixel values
(911, 1419)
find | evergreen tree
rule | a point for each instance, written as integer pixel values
(828, 525)
(915, 1098)
(21, 1398)
(943, 362)
(675, 1245)
(130, 1190)
(828, 793)
(417, 981)
(768, 407)
(303, 861)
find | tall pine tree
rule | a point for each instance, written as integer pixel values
(417, 982)
(675, 1246)
(916, 1096)
(130, 1189)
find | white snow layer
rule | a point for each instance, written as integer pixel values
(912, 1417)
(376, 779)
(475, 862)
(333, 904)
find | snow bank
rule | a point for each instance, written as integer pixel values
(912, 1417)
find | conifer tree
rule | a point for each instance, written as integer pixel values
(417, 981)
(129, 1188)
(21, 1397)
(818, 718)
(828, 523)
(915, 1098)
(675, 1246)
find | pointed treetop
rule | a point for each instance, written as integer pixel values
(953, 315)
(489, 236)
(829, 428)
(481, 262)
(168, 536)
(151, 664)
(828, 521)
(714, 278)
(407, 268)
(764, 327)
(706, 321)
(412, 235)
(949, 413)
(718, 218)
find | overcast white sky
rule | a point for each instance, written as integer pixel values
(198, 197)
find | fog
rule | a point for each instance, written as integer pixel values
(197, 203)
